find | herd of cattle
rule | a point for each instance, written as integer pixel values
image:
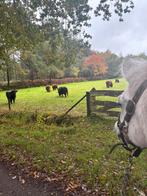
(62, 91)
(11, 95)
(109, 83)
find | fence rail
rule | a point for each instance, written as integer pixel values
(105, 106)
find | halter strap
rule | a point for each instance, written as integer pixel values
(131, 105)
(130, 110)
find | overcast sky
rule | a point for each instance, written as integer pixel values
(128, 37)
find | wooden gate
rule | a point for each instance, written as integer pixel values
(98, 106)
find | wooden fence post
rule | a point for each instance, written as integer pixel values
(88, 103)
(9, 104)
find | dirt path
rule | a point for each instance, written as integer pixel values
(17, 181)
(11, 184)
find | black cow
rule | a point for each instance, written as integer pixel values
(54, 86)
(116, 80)
(109, 84)
(11, 96)
(62, 91)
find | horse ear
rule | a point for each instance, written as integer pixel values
(132, 67)
(126, 68)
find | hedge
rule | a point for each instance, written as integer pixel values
(36, 83)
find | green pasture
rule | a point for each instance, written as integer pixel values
(76, 149)
(37, 99)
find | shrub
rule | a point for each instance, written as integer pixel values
(36, 83)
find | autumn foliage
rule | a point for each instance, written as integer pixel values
(96, 63)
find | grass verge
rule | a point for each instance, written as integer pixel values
(77, 147)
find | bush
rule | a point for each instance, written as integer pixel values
(36, 83)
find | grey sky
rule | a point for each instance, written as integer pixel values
(128, 37)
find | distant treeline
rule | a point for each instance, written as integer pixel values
(30, 69)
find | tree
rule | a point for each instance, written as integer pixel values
(63, 58)
(24, 23)
(71, 71)
(96, 63)
(107, 7)
(113, 61)
(17, 31)
(54, 72)
(86, 73)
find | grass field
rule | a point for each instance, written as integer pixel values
(76, 148)
(37, 99)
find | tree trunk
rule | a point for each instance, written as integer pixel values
(50, 79)
(8, 76)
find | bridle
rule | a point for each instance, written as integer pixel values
(123, 126)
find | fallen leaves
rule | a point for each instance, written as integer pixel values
(14, 177)
(21, 180)
(72, 186)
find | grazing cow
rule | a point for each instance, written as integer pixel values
(54, 86)
(11, 96)
(48, 89)
(116, 80)
(62, 91)
(131, 126)
(109, 84)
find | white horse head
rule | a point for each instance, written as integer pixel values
(135, 72)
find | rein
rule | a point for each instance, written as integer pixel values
(123, 126)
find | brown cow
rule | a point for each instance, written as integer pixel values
(48, 89)
(54, 86)
(116, 80)
(109, 84)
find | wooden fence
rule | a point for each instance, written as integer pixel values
(97, 106)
